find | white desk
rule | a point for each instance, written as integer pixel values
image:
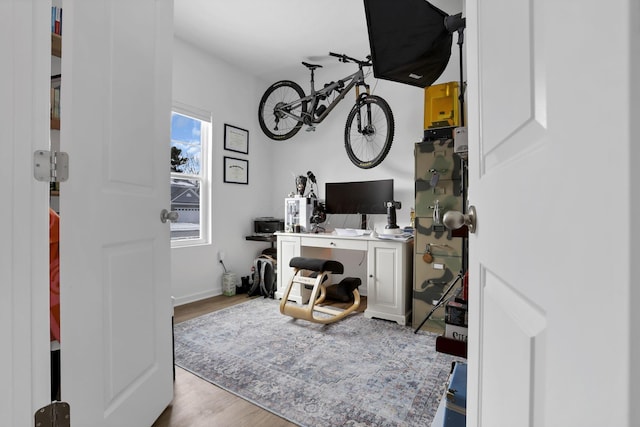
(389, 271)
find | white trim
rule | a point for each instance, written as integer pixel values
(191, 111)
(206, 166)
(198, 296)
(24, 257)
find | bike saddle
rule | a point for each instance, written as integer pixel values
(311, 66)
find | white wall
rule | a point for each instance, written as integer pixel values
(323, 151)
(202, 81)
(232, 96)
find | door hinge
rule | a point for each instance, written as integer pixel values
(50, 166)
(56, 414)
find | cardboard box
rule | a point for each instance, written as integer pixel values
(455, 332)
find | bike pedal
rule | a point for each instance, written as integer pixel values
(311, 129)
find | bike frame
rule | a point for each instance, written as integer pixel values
(369, 128)
(341, 86)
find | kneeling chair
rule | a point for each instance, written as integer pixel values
(320, 270)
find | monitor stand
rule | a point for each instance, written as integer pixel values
(363, 221)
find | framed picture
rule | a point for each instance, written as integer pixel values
(236, 171)
(236, 139)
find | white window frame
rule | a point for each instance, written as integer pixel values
(205, 174)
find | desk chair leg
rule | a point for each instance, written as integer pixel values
(318, 294)
(305, 311)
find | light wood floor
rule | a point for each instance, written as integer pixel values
(198, 403)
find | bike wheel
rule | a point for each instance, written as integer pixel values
(273, 121)
(368, 134)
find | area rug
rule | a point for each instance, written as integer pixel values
(356, 372)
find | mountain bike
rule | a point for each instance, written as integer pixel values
(368, 133)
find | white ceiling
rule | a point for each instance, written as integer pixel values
(267, 37)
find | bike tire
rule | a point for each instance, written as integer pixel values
(368, 148)
(274, 124)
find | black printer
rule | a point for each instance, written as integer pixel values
(267, 225)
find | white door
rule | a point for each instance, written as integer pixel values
(24, 239)
(550, 116)
(116, 345)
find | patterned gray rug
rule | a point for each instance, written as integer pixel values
(356, 372)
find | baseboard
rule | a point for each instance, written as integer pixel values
(197, 297)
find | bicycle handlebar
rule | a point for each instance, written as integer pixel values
(344, 58)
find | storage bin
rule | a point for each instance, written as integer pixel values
(229, 281)
(441, 105)
(455, 412)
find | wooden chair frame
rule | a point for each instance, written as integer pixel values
(318, 295)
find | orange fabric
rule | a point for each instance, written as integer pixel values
(54, 274)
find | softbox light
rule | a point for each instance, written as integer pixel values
(408, 39)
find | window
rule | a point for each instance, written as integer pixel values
(190, 176)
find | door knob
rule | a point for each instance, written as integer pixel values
(454, 219)
(166, 215)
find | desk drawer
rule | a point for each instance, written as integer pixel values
(320, 242)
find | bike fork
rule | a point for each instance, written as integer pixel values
(366, 130)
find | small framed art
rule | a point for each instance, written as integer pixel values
(236, 171)
(236, 139)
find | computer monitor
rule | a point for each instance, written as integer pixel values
(358, 197)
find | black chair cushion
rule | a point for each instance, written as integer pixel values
(343, 291)
(315, 264)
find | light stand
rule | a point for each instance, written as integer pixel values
(458, 23)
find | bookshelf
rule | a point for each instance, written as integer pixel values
(56, 55)
(56, 51)
(56, 45)
(54, 119)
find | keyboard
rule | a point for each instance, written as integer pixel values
(352, 232)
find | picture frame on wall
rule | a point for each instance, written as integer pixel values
(236, 171)
(236, 139)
